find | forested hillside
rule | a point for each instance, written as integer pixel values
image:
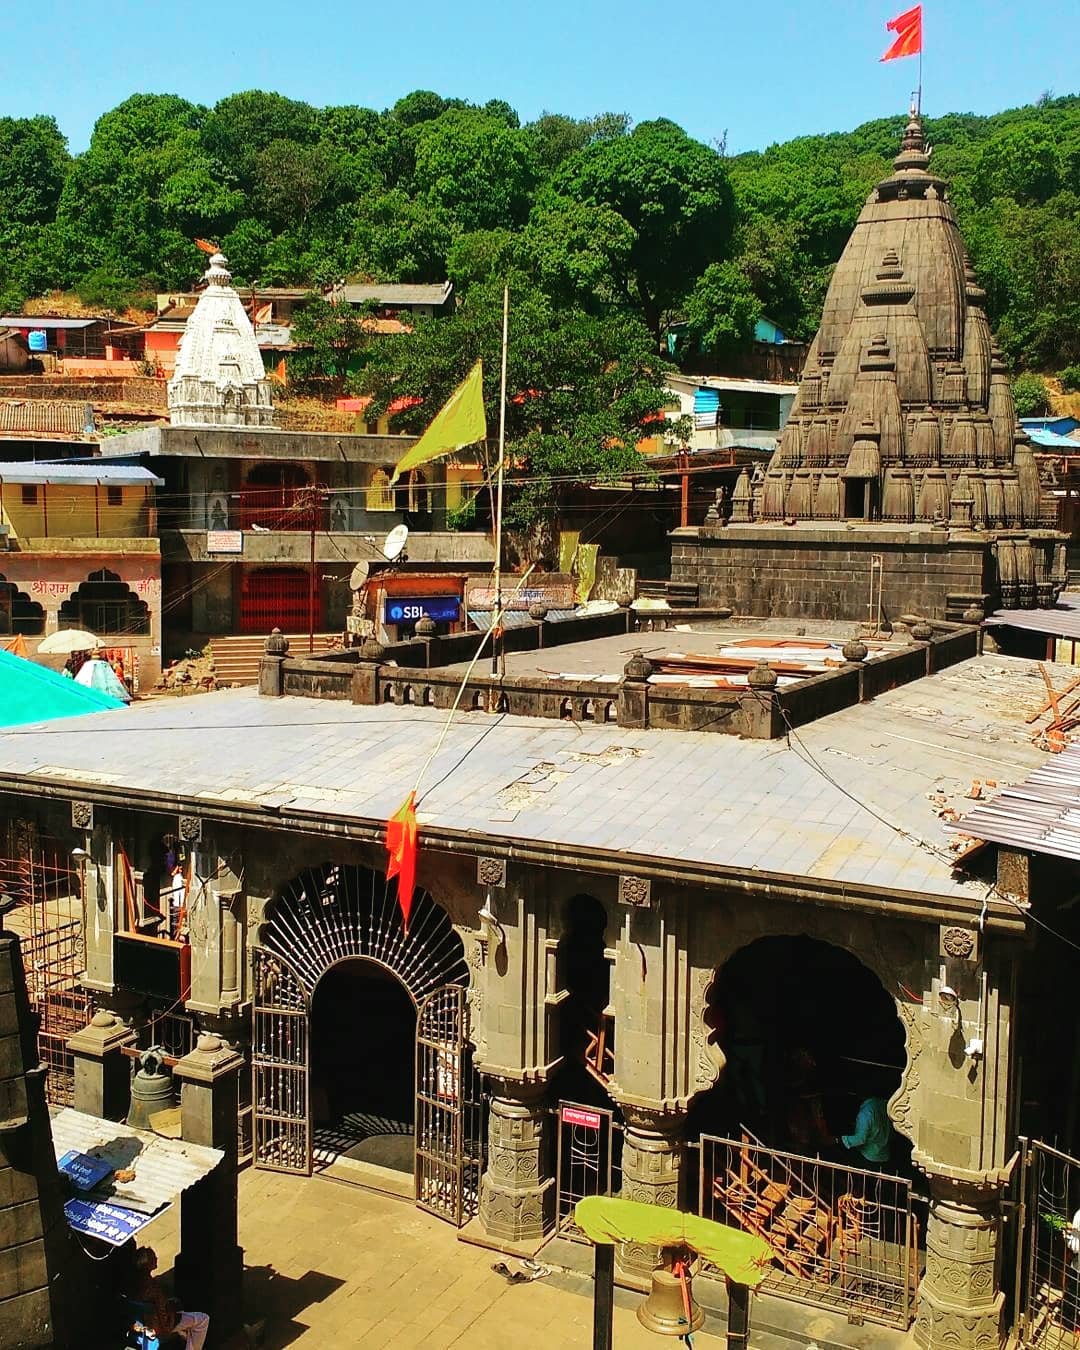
(600, 219)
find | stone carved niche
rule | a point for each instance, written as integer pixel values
(82, 815)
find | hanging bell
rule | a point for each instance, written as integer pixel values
(664, 1311)
(151, 1089)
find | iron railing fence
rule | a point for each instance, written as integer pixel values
(1048, 1253)
(841, 1237)
(588, 1161)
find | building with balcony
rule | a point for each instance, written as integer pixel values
(79, 549)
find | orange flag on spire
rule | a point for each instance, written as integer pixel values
(401, 846)
(908, 30)
(206, 246)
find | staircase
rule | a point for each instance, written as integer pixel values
(803, 1231)
(236, 659)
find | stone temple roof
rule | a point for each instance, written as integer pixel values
(905, 412)
(219, 378)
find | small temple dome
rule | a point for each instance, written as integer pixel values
(219, 378)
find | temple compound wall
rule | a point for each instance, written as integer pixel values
(517, 933)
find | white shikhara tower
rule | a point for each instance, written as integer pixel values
(219, 378)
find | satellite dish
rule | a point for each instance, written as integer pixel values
(394, 544)
(359, 576)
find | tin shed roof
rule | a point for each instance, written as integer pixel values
(1041, 814)
(163, 1168)
(115, 475)
(45, 417)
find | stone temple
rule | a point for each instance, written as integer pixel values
(902, 478)
(219, 378)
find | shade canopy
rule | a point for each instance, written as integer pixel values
(742, 1257)
(68, 640)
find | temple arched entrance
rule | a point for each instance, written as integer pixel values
(806, 1033)
(793, 1142)
(360, 1046)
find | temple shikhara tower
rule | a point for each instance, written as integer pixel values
(219, 378)
(902, 446)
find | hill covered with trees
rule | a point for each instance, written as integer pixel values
(596, 217)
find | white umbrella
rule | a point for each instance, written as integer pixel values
(69, 640)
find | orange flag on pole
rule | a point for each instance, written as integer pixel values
(908, 30)
(401, 843)
(206, 245)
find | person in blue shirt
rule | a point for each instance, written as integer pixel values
(872, 1135)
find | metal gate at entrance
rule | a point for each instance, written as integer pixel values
(588, 1162)
(1048, 1252)
(280, 1070)
(278, 597)
(449, 1109)
(326, 919)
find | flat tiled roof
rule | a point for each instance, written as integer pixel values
(855, 797)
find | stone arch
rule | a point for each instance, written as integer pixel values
(339, 912)
(18, 613)
(105, 604)
(871, 967)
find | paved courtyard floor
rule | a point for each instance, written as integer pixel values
(332, 1265)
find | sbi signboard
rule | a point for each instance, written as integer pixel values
(407, 609)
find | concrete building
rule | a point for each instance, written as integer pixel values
(642, 958)
(79, 549)
(732, 412)
(902, 480)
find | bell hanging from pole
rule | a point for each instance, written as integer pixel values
(669, 1309)
(151, 1088)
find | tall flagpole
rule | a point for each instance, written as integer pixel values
(496, 643)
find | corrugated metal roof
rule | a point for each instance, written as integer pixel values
(28, 321)
(391, 293)
(1062, 621)
(1050, 440)
(116, 475)
(163, 1168)
(1041, 814)
(45, 416)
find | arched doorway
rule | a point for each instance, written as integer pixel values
(359, 1045)
(807, 1034)
(793, 1142)
(363, 1048)
(18, 613)
(104, 604)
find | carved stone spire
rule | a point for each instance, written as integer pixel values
(219, 378)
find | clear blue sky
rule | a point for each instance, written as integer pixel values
(763, 71)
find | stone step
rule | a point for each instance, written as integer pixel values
(236, 659)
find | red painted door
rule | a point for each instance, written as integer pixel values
(277, 597)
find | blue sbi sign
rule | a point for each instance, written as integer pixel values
(440, 608)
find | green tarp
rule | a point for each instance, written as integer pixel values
(33, 693)
(743, 1257)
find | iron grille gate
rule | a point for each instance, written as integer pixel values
(841, 1237)
(279, 1068)
(588, 1163)
(1048, 1252)
(449, 1109)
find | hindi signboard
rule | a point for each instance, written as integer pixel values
(110, 1223)
(553, 590)
(85, 1172)
(224, 541)
(574, 1115)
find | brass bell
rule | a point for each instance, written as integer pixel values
(664, 1310)
(151, 1088)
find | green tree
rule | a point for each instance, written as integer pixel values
(583, 389)
(475, 168)
(674, 194)
(240, 126)
(1031, 395)
(721, 310)
(333, 340)
(293, 180)
(33, 163)
(1019, 162)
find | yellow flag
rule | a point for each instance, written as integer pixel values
(460, 422)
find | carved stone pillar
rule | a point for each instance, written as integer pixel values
(652, 1159)
(102, 1070)
(210, 1267)
(517, 1191)
(960, 1299)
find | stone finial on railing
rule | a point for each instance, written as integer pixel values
(277, 644)
(272, 665)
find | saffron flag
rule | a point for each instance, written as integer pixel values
(401, 853)
(206, 246)
(908, 30)
(460, 422)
